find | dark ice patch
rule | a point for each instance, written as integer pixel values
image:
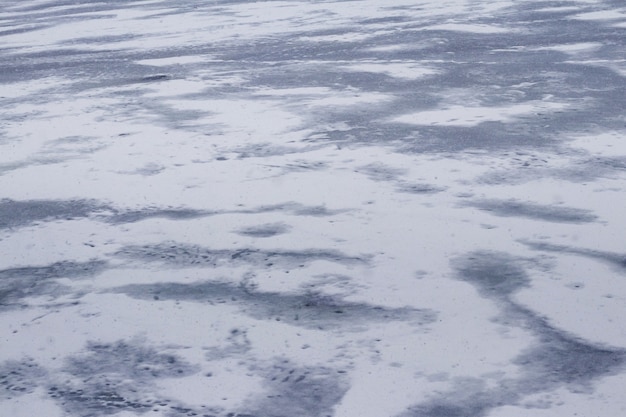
(468, 397)
(302, 166)
(21, 213)
(149, 170)
(263, 150)
(578, 170)
(89, 400)
(238, 344)
(611, 163)
(299, 391)
(178, 254)
(70, 146)
(21, 30)
(15, 214)
(154, 78)
(381, 172)
(18, 378)
(494, 274)
(593, 169)
(18, 284)
(450, 408)
(7, 167)
(99, 39)
(60, 8)
(559, 360)
(133, 216)
(298, 209)
(616, 259)
(112, 377)
(15, 292)
(128, 359)
(514, 208)
(265, 230)
(419, 188)
(308, 310)
(442, 409)
(38, 159)
(555, 360)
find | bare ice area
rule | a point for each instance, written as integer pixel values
(301, 208)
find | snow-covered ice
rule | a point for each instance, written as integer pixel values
(312, 208)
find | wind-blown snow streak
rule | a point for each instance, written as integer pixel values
(301, 208)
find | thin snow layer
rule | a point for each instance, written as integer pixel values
(471, 28)
(468, 116)
(302, 208)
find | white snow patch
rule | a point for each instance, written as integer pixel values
(616, 65)
(470, 28)
(229, 386)
(472, 116)
(615, 14)
(404, 70)
(603, 144)
(175, 60)
(296, 91)
(344, 37)
(571, 48)
(31, 404)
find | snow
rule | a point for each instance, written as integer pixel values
(472, 116)
(312, 208)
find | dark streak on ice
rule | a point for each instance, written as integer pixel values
(615, 259)
(182, 254)
(419, 188)
(109, 378)
(112, 377)
(299, 391)
(19, 284)
(494, 274)
(15, 214)
(264, 230)
(21, 213)
(132, 216)
(155, 77)
(18, 378)
(515, 208)
(309, 310)
(556, 359)
(382, 172)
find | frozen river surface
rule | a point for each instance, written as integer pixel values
(313, 208)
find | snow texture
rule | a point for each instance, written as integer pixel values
(236, 208)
